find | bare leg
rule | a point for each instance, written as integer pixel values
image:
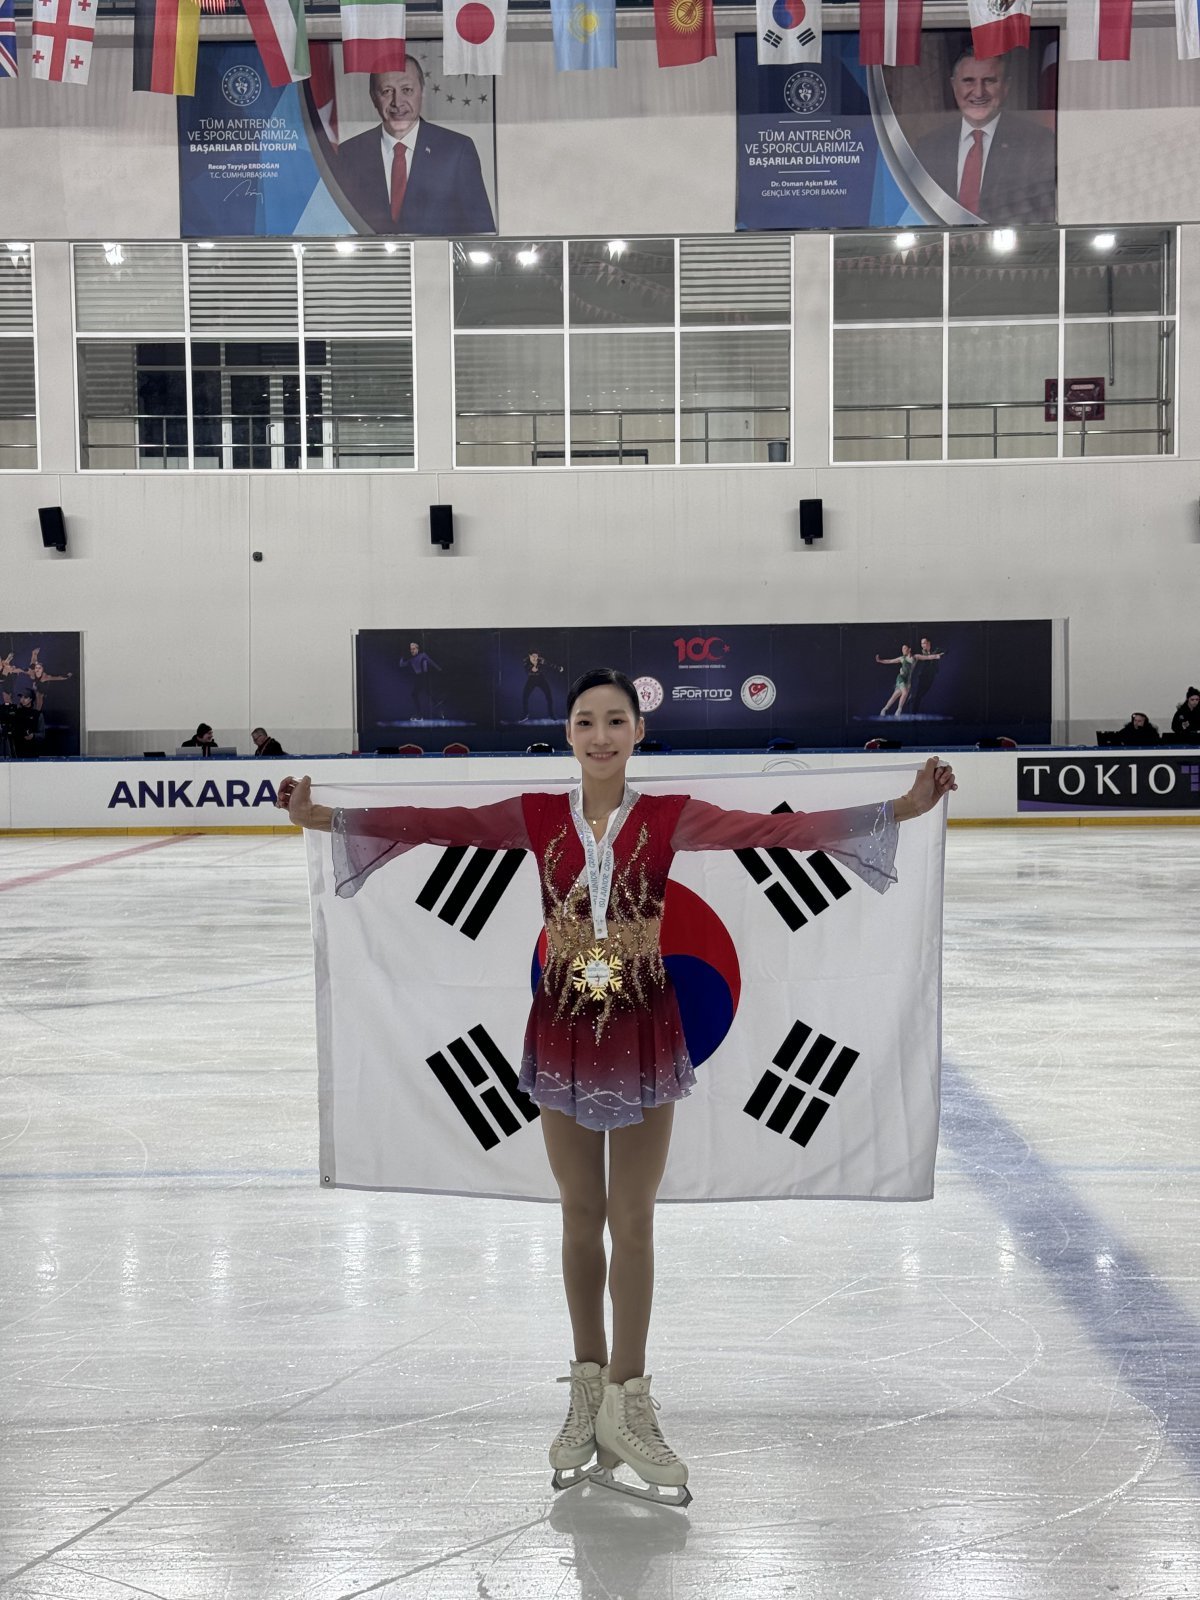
(637, 1161)
(903, 701)
(577, 1162)
(888, 707)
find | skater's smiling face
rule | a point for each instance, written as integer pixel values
(603, 730)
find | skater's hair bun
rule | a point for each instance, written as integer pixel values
(595, 679)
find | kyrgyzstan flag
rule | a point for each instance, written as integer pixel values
(889, 33)
(473, 34)
(1099, 30)
(61, 41)
(166, 37)
(998, 26)
(373, 35)
(684, 31)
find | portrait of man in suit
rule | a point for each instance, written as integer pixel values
(409, 175)
(998, 163)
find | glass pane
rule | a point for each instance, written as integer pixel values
(18, 406)
(623, 398)
(508, 284)
(893, 277)
(1004, 272)
(734, 396)
(1136, 363)
(998, 392)
(247, 407)
(357, 286)
(1120, 271)
(623, 283)
(16, 288)
(128, 287)
(735, 280)
(508, 400)
(132, 406)
(361, 411)
(244, 286)
(887, 394)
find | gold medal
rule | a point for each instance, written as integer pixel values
(595, 973)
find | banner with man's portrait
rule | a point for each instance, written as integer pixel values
(955, 141)
(411, 153)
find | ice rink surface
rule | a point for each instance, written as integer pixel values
(218, 1382)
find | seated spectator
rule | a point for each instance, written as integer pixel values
(264, 745)
(1185, 724)
(1139, 730)
(202, 739)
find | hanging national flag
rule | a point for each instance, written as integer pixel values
(809, 1002)
(473, 33)
(281, 34)
(1099, 30)
(789, 30)
(889, 33)
(1187, 28)
(998, 26)
(373, 35)
(322, 85)
(685, 31)
(166, 37)
(585, 34)
(8, 39)
(61, 39)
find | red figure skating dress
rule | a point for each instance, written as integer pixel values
(604, 1038)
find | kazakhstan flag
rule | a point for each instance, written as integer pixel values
(585, 34)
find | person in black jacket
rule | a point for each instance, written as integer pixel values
(1139, 730)
(1185, 724)
(264, 745)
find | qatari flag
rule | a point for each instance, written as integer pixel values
(998, 26)
(1099, 30)
(60, 45)
(889, 33)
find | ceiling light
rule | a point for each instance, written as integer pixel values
(527, 258)
(390, 247)
(617, 247)
(345, 247)
(205, 244)
(1004, 239)
(479, 258)
(113, 254)
(1105, 241)
(905, 241)
(297, 250)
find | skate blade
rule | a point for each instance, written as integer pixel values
(568, 1477)
(656, 1493)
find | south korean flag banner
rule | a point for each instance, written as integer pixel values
(810, 1004)
(788, 31)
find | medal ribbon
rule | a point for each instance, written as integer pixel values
(598, 858)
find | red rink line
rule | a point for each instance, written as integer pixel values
(78, 866)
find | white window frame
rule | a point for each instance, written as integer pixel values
(31, 333)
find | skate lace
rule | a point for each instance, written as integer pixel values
(581, 1419)
(643, 1424)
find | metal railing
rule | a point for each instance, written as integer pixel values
(1163, 430)
(238, 441)
(544, 436)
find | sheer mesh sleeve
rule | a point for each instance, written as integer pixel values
(863, 838)
(364, 839)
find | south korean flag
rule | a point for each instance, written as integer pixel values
(788, 31)
(810, 1003)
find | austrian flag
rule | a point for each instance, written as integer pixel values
(61, 39)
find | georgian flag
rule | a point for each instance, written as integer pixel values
(473, 34)
(60, 45)
(788, 31)
(889, 33)
(810, 1004)
(1099, 30)
(998, 26)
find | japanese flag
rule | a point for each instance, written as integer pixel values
(810, 1004)
(473, 34)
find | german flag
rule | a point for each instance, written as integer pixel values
(166, 36)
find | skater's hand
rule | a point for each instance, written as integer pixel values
(295, 797)
(934, 780)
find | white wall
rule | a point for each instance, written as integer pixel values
(181, 625)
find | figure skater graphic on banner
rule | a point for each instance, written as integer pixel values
(604, 1047)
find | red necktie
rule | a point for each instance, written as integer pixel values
(972, 174)
(400, 180)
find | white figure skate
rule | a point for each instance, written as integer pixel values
(576, 1442)
(627, 1431)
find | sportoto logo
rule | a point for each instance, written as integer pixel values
(805, 92)
(650, 693)
(758, 693)
(241, 86)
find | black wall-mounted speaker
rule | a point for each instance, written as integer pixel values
(54, 527)
(812, 520)
(441, 526)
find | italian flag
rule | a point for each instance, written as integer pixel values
(281, 34)
(373, 36)
(998, 26)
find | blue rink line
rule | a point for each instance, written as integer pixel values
(1150, 1338)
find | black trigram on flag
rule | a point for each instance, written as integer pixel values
(795, 1071)
(772, 38)
(463, 896)
(797, 889)
(482, 1085)
(805, 36)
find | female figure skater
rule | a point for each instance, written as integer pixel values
(906, 661)
(604, 1049)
